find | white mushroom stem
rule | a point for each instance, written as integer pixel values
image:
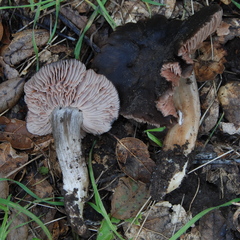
(184, 133)
(66, 124)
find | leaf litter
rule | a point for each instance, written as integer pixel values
(135, 158)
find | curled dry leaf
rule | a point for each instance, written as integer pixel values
(229, 98)
(134, 159)
(128, 198)
(162, 218)
(10, 160)
(209, 63)
(21, 46)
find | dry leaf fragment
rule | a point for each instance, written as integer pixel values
(43, 189)
(10, 92)
(229, 98)
(209, 63)
(15, 132)
(9, 72)
(134, 159)
(9, 159)
(21, 46)
(161, 221)
(128, 198)
(229, 128)
(213, 225)
(18, 226)
(229, 29)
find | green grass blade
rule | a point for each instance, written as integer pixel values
(106, 15)
(27, 213)
(50, 4)
(198, 216)
(153, 3)
(26, 6)
(97, 197)
(57, 10)
(4, 227)
(28, 191)
(236, 4)
(154, 139)
(160, 129)
(78, 47)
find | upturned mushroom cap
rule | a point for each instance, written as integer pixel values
(68, 83)
(146, 59)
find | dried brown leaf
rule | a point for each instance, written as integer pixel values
(15, 132)
(229, 98)
(229, 29)
(134, 159)
(10, 160)
(210, 63)
(8, 71)
(128, 198)
(161, 221)
(18, 219)
(43, 189)
(212, 225)
(21, 46)
(10, 92)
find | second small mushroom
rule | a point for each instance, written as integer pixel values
(66, 99)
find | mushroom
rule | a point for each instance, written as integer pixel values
(149, 63)
(66, 99)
